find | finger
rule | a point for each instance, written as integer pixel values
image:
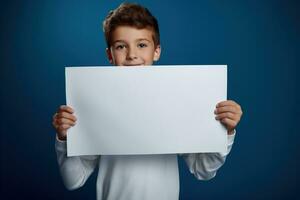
(226, 103)
(66, 115)
(226, 115)
(230, 103)
(62, 121)
(223, 109)
(229, 123)
(54, 124)
(66, 109)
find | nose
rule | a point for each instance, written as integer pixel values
(131, 54)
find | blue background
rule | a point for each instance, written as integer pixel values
(258, 40)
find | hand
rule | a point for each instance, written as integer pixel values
(63, 119)
(229, 113)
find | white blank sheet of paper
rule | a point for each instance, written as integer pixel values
(146, 110)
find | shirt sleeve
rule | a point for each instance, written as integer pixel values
(204, 166)
(74, 170)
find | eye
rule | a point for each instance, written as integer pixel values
(142, 45)
(120, 46)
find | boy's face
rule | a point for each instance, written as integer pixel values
(131, 47)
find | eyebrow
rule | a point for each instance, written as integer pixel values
(137, 40)
(141, 39)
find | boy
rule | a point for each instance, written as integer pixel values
(132, 37)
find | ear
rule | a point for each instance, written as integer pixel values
(157, 52)
(109, 55)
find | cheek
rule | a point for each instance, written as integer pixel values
(148, 55)
(118, 56)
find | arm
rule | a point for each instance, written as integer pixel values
(74, 170)
(204, 166)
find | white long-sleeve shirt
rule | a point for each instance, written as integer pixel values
(136, 177)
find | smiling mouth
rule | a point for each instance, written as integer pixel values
(134, 65)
